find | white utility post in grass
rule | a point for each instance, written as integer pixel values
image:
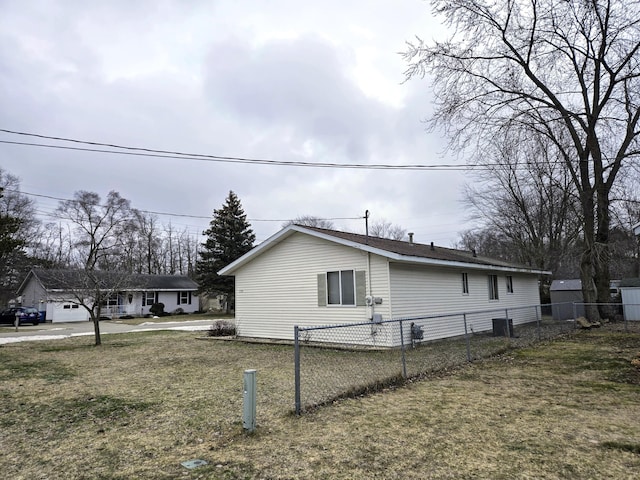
(249, 404)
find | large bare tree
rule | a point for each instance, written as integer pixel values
(565, 69)
(99, 229)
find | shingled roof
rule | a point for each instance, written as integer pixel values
(61, 279)
(411, 249)
(396, 250)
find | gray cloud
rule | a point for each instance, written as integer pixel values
(224, 78)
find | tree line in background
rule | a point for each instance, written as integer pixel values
(92, 234)
(87, 232)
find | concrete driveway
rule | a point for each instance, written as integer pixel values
(54, 331)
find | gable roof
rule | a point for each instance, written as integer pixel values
(61, 279)
(394, 250)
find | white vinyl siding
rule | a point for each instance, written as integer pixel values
(280, 288)
(631, 301)
(424, 291)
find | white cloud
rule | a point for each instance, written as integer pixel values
(312, 81)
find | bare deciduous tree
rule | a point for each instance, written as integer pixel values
(386, 229)
(528, 199)
(310, 221)
(567, 70)
(98, 233)
(18, 228)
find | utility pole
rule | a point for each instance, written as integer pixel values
(366, 225)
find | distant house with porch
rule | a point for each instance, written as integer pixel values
(55, 291)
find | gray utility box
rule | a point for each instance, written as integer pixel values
(500, 327)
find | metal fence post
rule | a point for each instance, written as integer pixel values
(296, 369)
(404, 360)
(466, 337)
(249, 400)
(538, 326)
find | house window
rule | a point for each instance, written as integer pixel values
(184, 298)
(465, 284)
(341, 288)
(509, 284)
(111, 301)
(493, 287)
(149, 298)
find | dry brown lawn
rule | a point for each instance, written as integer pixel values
(141, 404)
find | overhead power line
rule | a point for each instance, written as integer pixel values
(149, 152)
(181, 215)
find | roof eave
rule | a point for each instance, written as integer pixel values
(466, 265)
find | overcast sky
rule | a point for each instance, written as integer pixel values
(313, 81)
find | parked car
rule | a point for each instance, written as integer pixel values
(26, 314)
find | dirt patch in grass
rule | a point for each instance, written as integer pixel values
(142, 403)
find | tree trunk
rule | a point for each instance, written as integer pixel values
(96, 327)
(588, 260)
(602, 254)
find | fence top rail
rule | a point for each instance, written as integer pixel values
(421, 317)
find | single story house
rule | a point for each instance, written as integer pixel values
(54, 292)
(309, 276)
(630, 292)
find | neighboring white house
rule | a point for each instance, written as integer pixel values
(50, 291)
(309, 276)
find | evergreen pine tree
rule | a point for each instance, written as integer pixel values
(229, 236)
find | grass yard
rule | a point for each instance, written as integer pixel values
(142, 403)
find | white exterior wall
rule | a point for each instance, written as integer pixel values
(279, 288)
(631, 303)
(59, 311)
(170, 300)
(425, 291)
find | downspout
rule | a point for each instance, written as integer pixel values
(366, 230)
(371, 312)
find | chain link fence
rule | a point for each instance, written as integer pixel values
(338, 361)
